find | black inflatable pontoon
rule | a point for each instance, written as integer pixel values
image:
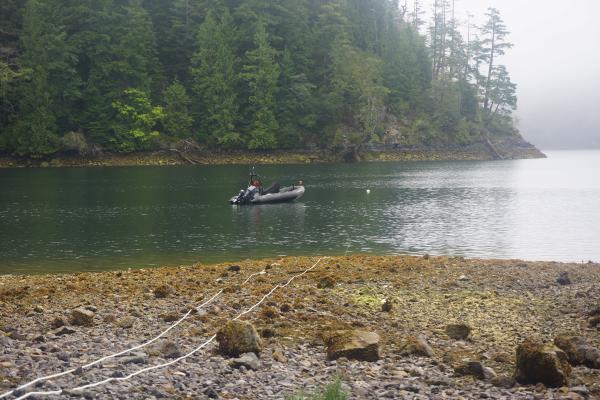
(255, 194)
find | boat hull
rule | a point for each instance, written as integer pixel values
(285, 195)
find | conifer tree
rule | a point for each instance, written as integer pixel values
(177, 118)
(261, 73)
(215, 78)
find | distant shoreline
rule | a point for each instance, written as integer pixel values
(507, 149)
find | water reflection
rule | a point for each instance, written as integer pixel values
(76, 219)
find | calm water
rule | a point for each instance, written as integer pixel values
(93, 219)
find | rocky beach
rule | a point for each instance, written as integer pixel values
(389, 327)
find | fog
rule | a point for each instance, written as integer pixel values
(556, 65)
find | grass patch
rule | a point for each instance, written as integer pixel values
(333, 391)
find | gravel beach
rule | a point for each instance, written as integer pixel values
(448, 328)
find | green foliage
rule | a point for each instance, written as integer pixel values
(177, 120)
(135, 122)
(333, 391)
(257, 74)
(261, 73)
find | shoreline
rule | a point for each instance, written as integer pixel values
(502, 301)
(508, 149)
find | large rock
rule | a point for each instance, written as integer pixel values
(417, 346)
(579, 351)
(82, 317)
(541, 363)
(354, 345)
(473, 368)
(238, 337)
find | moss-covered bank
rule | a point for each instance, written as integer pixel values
(509, 148)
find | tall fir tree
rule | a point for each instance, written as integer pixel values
(215, 77)
(261, 73)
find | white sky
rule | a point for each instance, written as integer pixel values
(555, 63)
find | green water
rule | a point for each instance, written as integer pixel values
(79, 219)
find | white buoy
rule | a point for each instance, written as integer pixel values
(368, 191)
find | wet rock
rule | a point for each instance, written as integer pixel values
(248, 360)
(416, 345)
(326, 282)
(579, 351)
(234, 268)
(82, 317)
(238, 337)
(211, 393)
(458, 331)
(563, 278)
(162, 291)
(353, 345)
(504, 381)
(57, 323)
(541, 363)
(64, 330)
(472, 368)
(126, 322)
(285, 308)
(386, 306)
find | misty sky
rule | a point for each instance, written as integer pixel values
(556, 65)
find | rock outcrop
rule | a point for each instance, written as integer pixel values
(354, 345)
(541, 363)
(237, 337)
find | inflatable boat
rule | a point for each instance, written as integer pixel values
(255, 194)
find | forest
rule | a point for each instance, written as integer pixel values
(89, 76)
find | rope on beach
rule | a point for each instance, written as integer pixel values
(191, 353)
(149, 342)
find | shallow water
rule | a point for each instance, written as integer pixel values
(80, 219)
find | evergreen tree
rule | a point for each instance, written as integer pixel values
(215, 77)
(177, 118)
(261, 73)
(492, 46)
(47, 58)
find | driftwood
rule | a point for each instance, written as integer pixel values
(180, 153)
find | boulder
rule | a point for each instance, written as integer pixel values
(503, 381)
(248, 360)
(353, 345)
(579, 351)
(541, 363)
(472, 368)
(126, 322)
(82, 317)
(238, 337)
(234, 268)
(416, 345)
(458, 331)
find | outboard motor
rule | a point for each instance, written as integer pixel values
(245, 196)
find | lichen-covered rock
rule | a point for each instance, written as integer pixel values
(416, 345)
(579, 351)
(238, 337)
(458, 331)
(82, 317)
(353, 345)
(541, 363)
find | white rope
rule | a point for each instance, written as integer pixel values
(91, 364)
(149, 342)
(206, 343)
